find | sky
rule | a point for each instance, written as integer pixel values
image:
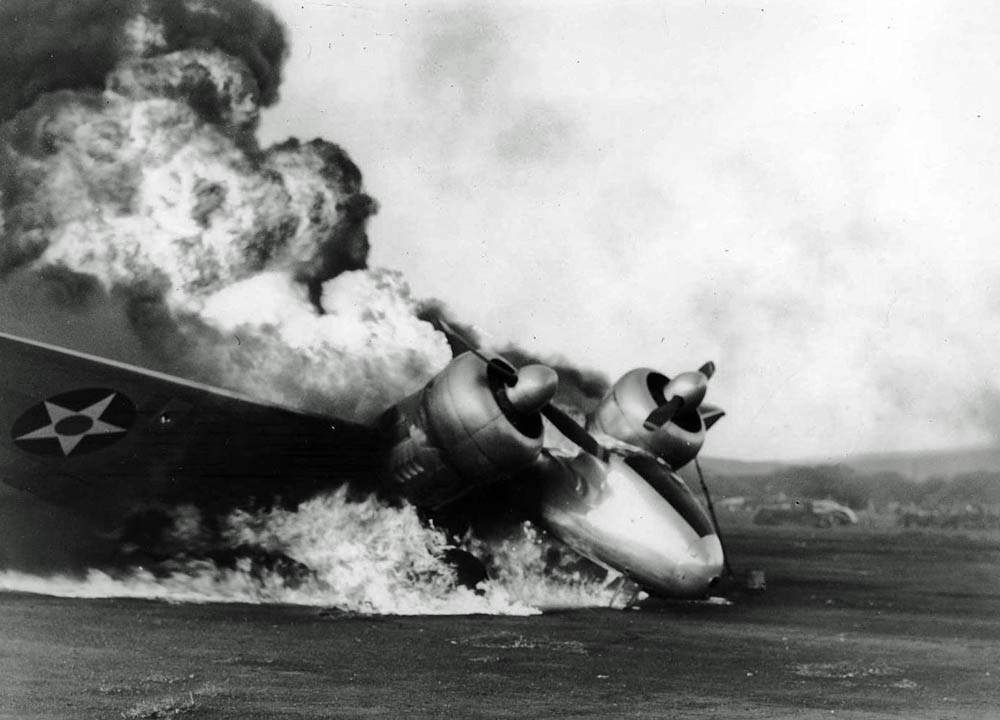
(803, 193)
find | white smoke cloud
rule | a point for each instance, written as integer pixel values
(155, 188)
(364, 353)
(148, 194)
(803, 195)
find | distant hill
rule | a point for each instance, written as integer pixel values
(928, 463)
(911, 465)
(728, 467)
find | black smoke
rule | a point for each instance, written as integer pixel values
(579, 389)
(239, 28)
(49, 45)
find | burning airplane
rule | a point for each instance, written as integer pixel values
(131, 177)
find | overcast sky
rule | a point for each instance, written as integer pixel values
(806, 193)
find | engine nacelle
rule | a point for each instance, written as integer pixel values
(463, 430)
(623, 413)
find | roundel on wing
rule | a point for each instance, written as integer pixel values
(74, 423)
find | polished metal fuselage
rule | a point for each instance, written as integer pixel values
(608, 512)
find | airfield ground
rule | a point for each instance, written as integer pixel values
(854, 623)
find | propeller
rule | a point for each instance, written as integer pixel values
(505, 371)
(530, 389)
(686, 391)
(574, 431)
(663, 414)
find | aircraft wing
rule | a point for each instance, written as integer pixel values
(104, 437)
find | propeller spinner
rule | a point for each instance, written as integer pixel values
(636, 516)
(530, 390)
(684, 392)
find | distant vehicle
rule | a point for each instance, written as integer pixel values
(919, 517)
(966, 517)
(817, 513)
(733, 504)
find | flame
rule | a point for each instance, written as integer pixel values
(134, 171)
(155, 189)
(543, 573)
(365, 557)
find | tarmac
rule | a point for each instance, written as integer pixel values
(854, 623)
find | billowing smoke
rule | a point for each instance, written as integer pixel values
(133, 190)
(51, 45)
(130, 169)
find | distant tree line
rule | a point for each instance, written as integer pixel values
(858, 490)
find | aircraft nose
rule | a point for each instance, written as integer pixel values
(692, 572)
(696, 571)
(706, 563)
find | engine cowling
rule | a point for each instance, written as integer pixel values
(625, 411)
(466, 428)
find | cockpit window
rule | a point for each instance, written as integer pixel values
(674, 490)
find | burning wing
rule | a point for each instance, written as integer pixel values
(105, 438)
(110, 440)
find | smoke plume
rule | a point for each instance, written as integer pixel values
(134, 192)
(51, 45)
(130, 169)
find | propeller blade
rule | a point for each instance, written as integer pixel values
(710, 414)
(507, 374)
(708, 369)
(574, 431)
(663, 414)
(541, 384)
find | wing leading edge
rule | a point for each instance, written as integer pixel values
(104, 437)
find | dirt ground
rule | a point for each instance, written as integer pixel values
(853, 624)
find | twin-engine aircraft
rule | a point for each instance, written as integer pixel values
(113, 442)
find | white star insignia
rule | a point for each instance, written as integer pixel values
(69, 427)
